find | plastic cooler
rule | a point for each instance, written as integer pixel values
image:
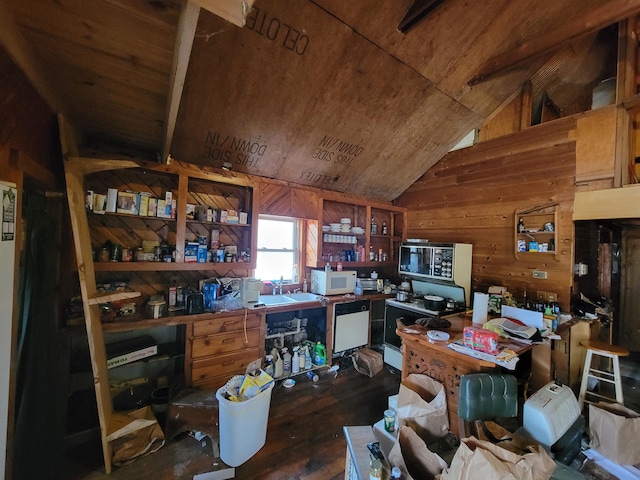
(243, 426)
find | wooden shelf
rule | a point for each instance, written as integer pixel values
(111, 297)
(537, 218)
(166, 266)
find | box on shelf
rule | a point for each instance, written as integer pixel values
(99, 203)
(191, 211)
(223, 216)
(143, 210)
(112, 198)
(191, 252)
(153, 207)
(243, 218)
(214, 239)
(128, 202)
(202, 254)
(130, 350)
(161, 208)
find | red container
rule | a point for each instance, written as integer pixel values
(481, 340)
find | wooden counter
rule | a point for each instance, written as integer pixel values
(438, 361)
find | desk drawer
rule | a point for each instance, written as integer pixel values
(227, 364)
(225, 324)
(224, 343)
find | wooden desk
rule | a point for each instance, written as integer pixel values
(445, 365)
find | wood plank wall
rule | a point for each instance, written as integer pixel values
(472, 194)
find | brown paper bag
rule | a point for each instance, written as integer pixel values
(422, 405)
(476, 459)
(367, 361)
(411, 455)
(140, 437)
(614, 431)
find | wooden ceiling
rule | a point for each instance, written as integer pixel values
(325, 93)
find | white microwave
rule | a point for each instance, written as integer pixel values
(333, 282)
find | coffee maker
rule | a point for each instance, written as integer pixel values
(251, 288)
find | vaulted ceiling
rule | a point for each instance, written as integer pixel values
(326, 93)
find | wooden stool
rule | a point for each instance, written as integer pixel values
(603, 350)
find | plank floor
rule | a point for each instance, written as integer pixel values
(304, 434)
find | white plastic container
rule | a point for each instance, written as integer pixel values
(243, 426)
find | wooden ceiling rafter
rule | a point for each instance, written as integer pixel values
(182, 52)
(588, 23)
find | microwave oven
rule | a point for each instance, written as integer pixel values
(333, 282)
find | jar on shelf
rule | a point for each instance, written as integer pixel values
(374, 227)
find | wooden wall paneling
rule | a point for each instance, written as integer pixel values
(596, 145)
(304, 203)
(275, 199)
(472, 194)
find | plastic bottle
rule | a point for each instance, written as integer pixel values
(327, 267)
(296, 279)
(339, 266)
(374, 227)
(385, 230)
(308, 361)
(295, 362)
(286, 357)
(320, 357)
(268, 365)
(375, 469)
(396, 474)
(305, 288)
(358, 289)
(521, 225)
(278, 367)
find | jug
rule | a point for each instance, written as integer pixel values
(278, 366)
(320, 357)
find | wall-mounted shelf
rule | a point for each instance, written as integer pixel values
(536, 231)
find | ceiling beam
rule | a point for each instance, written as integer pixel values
(19, 50)
(416, 12)
(587, 23)
(181, 54)
(234, 11)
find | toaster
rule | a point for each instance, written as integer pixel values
(369, 284)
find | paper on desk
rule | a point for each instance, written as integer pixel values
(528, 317)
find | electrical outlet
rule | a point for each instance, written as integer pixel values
(539, 274)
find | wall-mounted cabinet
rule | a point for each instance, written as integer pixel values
(536, 230)
(355, 234)
(283, 200)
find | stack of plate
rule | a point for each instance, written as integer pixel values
(335, 227)
(326, 228)
(345, 225)
(357, 230)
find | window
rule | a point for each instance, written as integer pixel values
(278, 248)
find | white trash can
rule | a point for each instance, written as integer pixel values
(243, 426)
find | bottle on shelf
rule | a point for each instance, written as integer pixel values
(521, 225)
(308, 361)
(295, 361)
(278, 367)
(385, 230)
(372, 254)
(374, 227)
(302, 357)
(320, 356)
(286, 359)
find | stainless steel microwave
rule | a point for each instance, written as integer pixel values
(333, 282)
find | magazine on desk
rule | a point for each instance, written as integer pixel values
(506, 358)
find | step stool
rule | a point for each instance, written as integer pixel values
(601, 349)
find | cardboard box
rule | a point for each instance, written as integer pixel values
(254, 383)
(130, 350)
(143, 210)
(153, 207)
(112, 198)
(128, 202)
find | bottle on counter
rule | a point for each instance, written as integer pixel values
(327, 267)
(375, 469)
(304, 286)
(339, 266)
(358, 288)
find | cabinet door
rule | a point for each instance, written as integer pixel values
(304, 204)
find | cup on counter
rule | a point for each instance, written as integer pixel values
(390, 420)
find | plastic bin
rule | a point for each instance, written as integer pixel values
(243, 426)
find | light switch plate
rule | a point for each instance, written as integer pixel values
(539, 274)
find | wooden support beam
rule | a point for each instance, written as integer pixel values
(589, 22)
(416, 12)
(181, 54)
(234, 11)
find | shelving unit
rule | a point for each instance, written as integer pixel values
(92, 230)
(323, 247)
(540, 228)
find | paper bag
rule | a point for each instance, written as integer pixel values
(411, 455)
(614, 431)
(367, 361)
(422, 405)
(140, 437)
(476, 459)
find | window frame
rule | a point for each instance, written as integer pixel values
(298, 243)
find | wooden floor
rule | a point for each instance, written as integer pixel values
(304, 433)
